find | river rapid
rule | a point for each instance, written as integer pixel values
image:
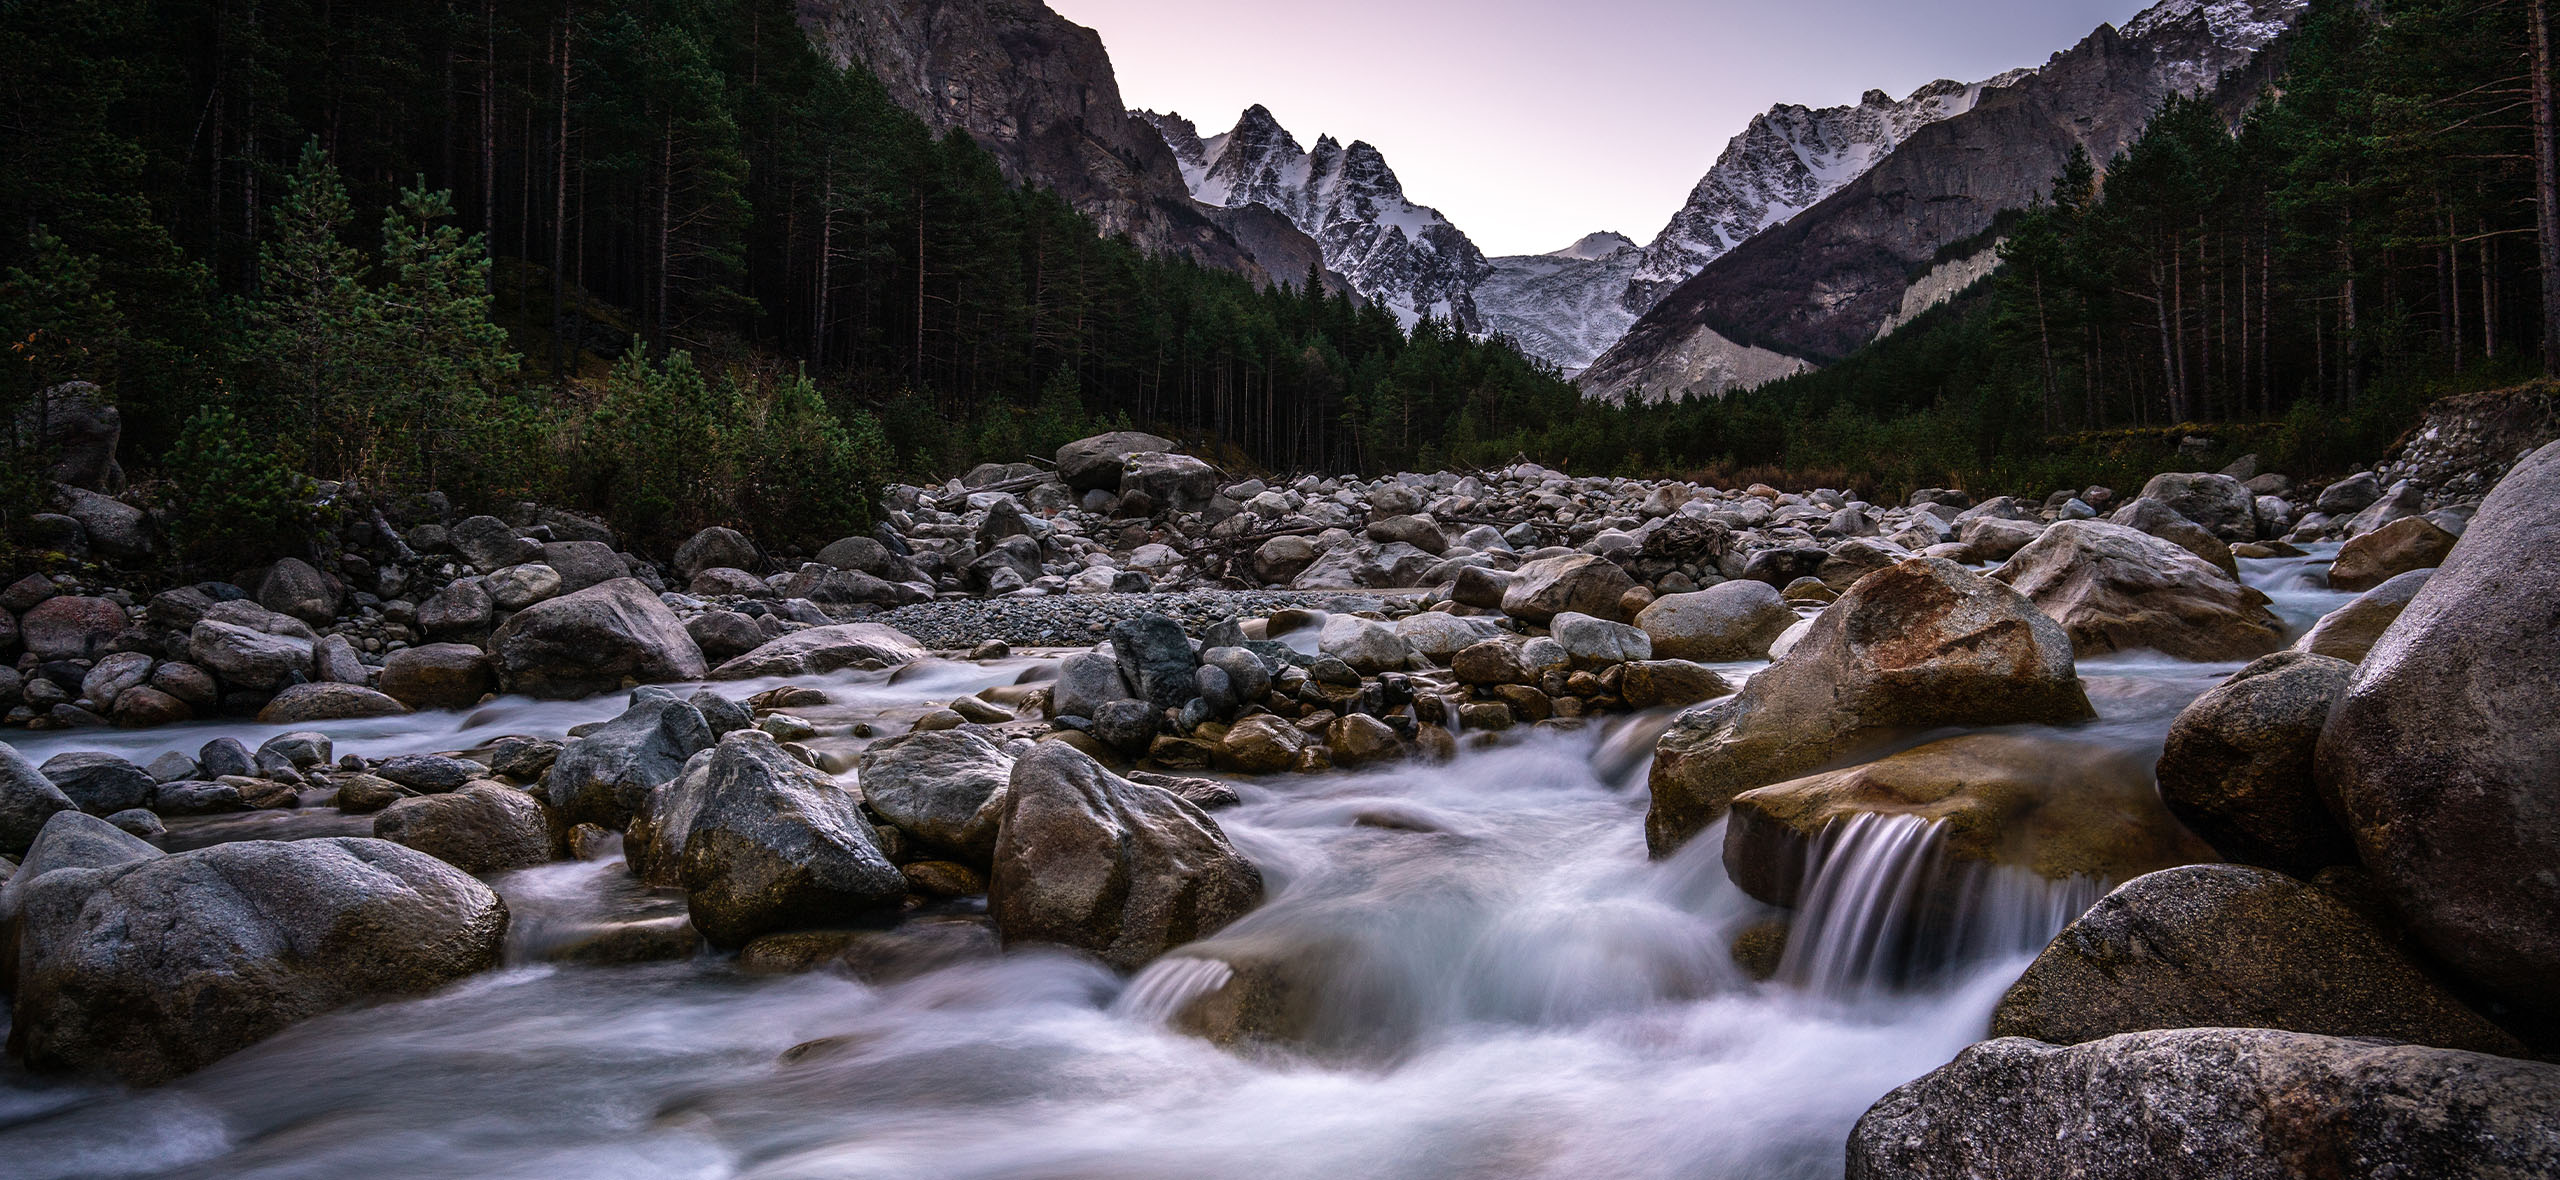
(1508, 988)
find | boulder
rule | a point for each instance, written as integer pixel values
(113, 527)
(327, 701)
(1370, 647)
(1155, 659)
(292, 587)
(485, 827)
(595, 641)
(2238, 765)
(2220, 504)
(1924, 644)
(27, 800)
(519, 586)
(433, 774)
(2114, 589)
(2231, 946)
(1581, 583)
(2402, 546)
(112, 675)
(2159, 520)
(335, 659)
(1281, 559)
(161, 965)
(1261, 744)
(772, 845)
(944, 788)
(1735, 620)
(1440, 636)
(2350, 631)
(1419, 531)
(2215, 1104)
(99, 783)
(582, 564)
(2349, 496)
(1086, 682)
(1660, 684)
(606, 776)
(1175, 483)
(716, 547)
(866, 555)
(462, 610)
(1090, 463)
(724, 635)
(438, 676)
(820, 650)
(1091, 861)
(2439, 759)
(1481, 588)
(1597, 643)
(2064, 809)
(1491, 662)
(491, 544)
(71, 627)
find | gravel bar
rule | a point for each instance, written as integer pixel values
(1077, 620)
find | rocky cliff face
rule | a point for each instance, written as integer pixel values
(1037, 91)
(1406, 256)
(1823, 283)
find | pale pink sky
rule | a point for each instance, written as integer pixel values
(1532, 122)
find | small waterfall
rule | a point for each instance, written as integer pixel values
(1167, 986)
(1883, 906)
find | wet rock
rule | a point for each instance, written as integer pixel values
(2238, 765)
(604, 777)
(1359, 740)
(298, 751)
(2439, 758)
(1924, 644)
(596, 640)
(1658, 684)
(334, 659)
(2230, 946)
(327, 701)
(1248, 677)
(2215, 1104)
(945, 789)
(189, 684)
(27, 800)
(1086, 682)
(225, 757)
(1091, 861)
(1370, 647)
(1090, 463)
(1155, 659)
(2114, 589)
(1597, 643)
(439, 676)
(113, 674)
(292, 587)
(2350, 631)
(159, 966)
(358, 794)
(820, 650)
(137, 822)
(2402, 546)
(2062, 808)
(1440, 636)
(146, 707)
(1494, 661)
(2159, 520)
(1580, 583)
(71, 627)
(432, 774)
(2220, 504)
(773, 846)
(100, 783)
(1261, 745)
(251, 647)
(1735, 620)
(485, 827)
(200, 797)
(1128, 726)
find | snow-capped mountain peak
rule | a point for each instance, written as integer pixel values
(1592, 247)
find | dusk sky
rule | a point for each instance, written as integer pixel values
(1532, 122)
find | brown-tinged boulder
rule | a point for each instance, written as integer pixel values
(2409, 543)
(1260, 744)
(2215, 1104)
(2062, 808)
(597, 640)
(485, 827)
(327, 701)
(1490, 662)
(2238, 765)
(1735, 620)
(2439, 759)
(71, 627)
(2350, 631)
(161, 965)
(1926, 643)
(2231, 946)
(1581, 583)
(439, 676)
(2115, 589)
(1088, 860)
(1659, 684)
(820, 650)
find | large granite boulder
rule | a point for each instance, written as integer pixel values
(2237, 767)
(820, 650)
(252, 648)
(27, 800)
(594, 641)
(1171, 482)
(485, 827)
(2231, 946)
(2439, 759)
(606, 776)
(71, 627)
(2114, 589)
(772, 845)
(100, 783)
(716, 547)
(327, 701)
(1926, 643)
(2215, 1104)
(1089, 860)
(1735, 620)
(2407, 544)
(292, 587)
(2350, 631)
(438, 676)
(1090, 463)
(2064, 809)
(160, 965)
(943, 787)
(1581, 583)
(1156, 660)
(2224, 506)
(2160, 520)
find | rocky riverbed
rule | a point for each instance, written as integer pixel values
(1114, 818)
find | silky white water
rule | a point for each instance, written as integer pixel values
(1506, 987)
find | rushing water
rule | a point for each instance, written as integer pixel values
(1503, 986)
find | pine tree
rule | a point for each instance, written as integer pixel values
(319, 335)
(447, 368)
